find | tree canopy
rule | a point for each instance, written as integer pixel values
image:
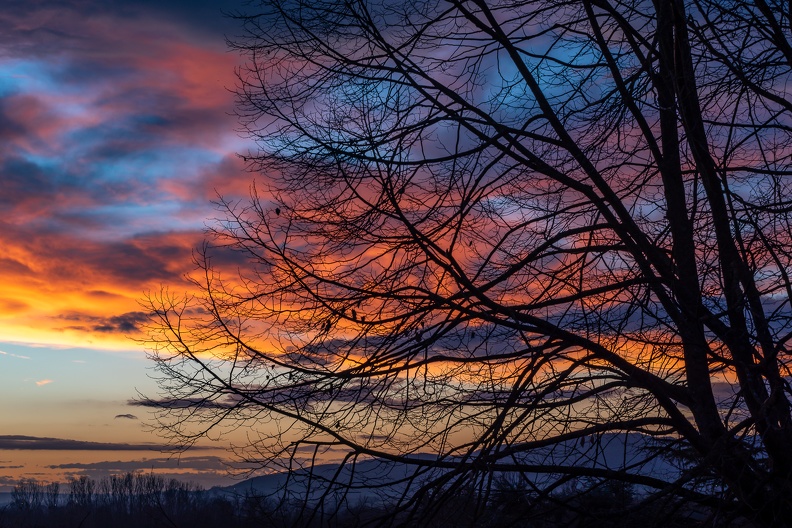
(492, 231)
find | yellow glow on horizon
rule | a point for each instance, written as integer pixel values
(65, 318)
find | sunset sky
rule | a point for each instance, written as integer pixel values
(116, 135)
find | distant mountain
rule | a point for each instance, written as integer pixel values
(385, 481)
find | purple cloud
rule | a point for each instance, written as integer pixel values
(116, 134)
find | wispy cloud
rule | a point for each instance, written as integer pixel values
(60, 444)
(44, 382)
(211, 463)
(126, 416)
(9, 354)
(126, 323)
(183, 403)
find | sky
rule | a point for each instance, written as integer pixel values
(116, 133)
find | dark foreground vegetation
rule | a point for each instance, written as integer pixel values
(146, 500)
(128, 500)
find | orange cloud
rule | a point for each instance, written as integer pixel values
(61, 290)
(116, 136)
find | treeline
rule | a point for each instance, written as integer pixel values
(142, 500)
(136, 500)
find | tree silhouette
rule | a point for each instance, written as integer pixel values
(498, 232)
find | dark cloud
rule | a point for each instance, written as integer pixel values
(8, 481)
(182, 403)
(127, 416)
(137, 261)
(124, 323)
(205, 16)
(206, 471)
(10, 128)
(205, 463)
(100, 294)
(47, 26)
(127, 323)
(31, 26)
(9, 266)
(60, 444)
(62, 199)
(82, 70)
(23, 182)
(132, 263)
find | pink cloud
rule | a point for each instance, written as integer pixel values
(227, 177)
(116, 135)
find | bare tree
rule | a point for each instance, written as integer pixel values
(493, 231)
